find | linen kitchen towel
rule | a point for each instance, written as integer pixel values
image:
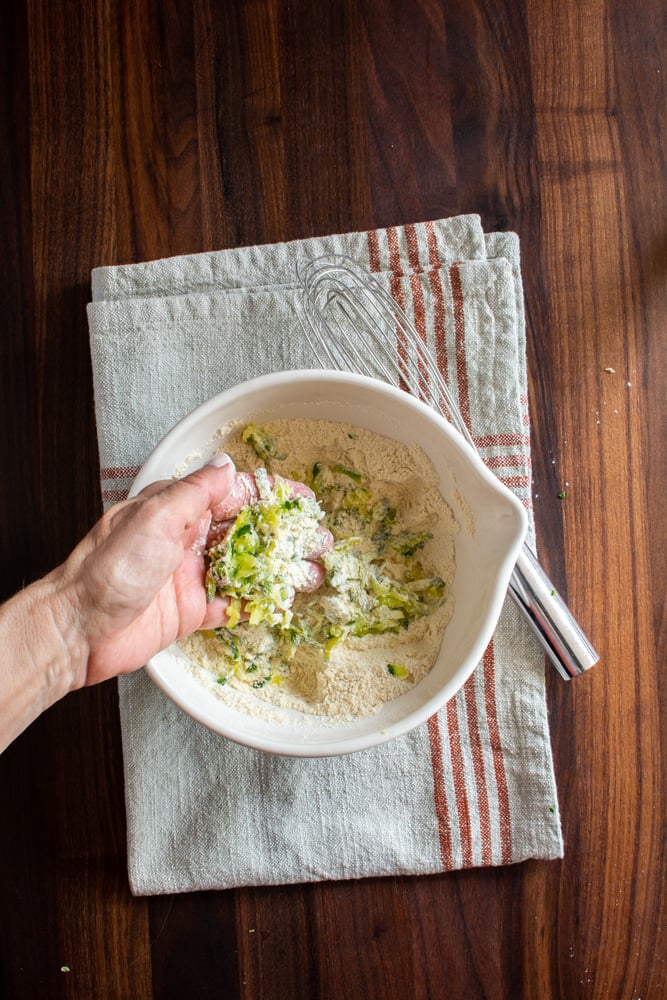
(473, 786)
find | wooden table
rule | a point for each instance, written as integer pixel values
(132, 131)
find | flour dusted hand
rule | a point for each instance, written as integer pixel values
(136, 578)
(132, 586)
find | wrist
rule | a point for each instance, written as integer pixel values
(45, 652)
(63, 653)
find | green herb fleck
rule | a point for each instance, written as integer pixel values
(398, 670)
(261, 683)
(561, 495)
(260, 441)
(228, 637)
(407, 543)
(350, 473)
(334, 635)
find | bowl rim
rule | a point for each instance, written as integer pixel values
(419, 714)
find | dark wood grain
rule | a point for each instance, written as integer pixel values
(134, 130)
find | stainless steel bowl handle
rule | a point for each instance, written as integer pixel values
(565, 643)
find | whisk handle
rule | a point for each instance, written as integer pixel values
(561, 636)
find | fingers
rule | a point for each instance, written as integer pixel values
(326, 543)
(183, 505)
(244, 490)
(313, 576)
(150, 491)
(217, 611)
(298, 489)
(208, 475)
(203, 532)
(220, 489)
(217, 531)
(212, 482)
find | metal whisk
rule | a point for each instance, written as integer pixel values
(353, 324)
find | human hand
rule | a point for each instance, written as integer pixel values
(136, 581)
(134, 585)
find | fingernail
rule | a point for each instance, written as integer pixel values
(220, 459)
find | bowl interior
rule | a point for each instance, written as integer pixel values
(492, 526)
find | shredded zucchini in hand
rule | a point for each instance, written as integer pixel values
(259, 563)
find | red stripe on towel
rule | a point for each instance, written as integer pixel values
(413, 247)
(395, 263)
(459, 335)
(460, 791)
(420, 324)
(439, 313)
(504, 812)
(399, 297)
(374, 251)
(506, 461)
(432, 244)
(439, 323)
(515, 482)
(502, 440)
(439, 793)
(478, 767)
(119, 472)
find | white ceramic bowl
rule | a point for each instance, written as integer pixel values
(484, 556)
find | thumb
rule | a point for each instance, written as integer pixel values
(181, 504)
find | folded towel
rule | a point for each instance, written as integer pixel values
(475, 785)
